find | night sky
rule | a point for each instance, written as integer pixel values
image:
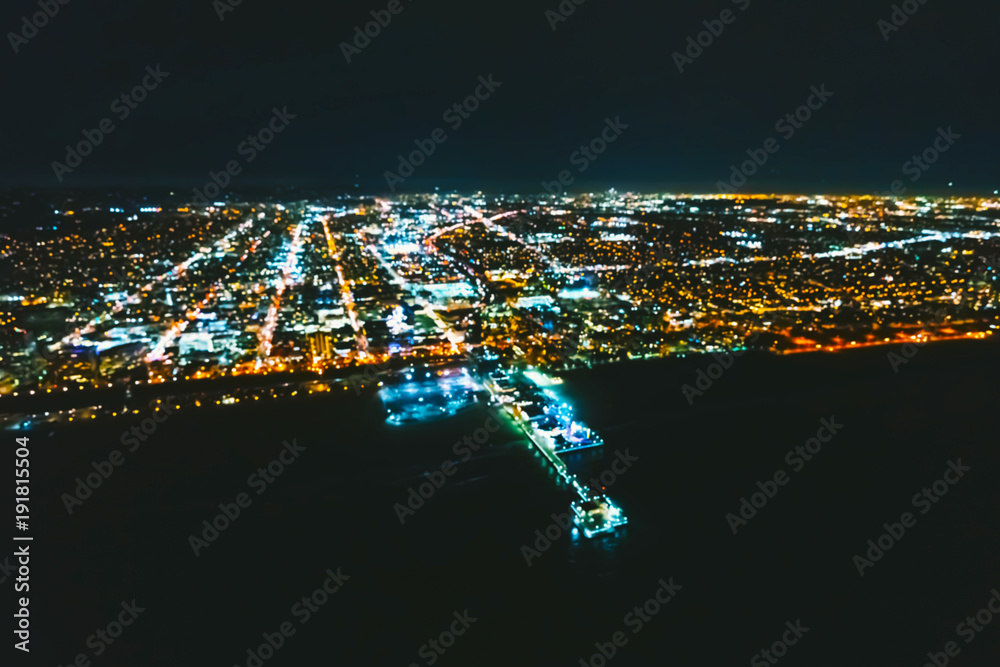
(607, 59)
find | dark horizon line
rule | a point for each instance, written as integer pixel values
(496, 189)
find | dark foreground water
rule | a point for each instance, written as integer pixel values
(332, 508)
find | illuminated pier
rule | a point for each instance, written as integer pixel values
(549, 426)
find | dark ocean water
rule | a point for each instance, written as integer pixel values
(333, 507)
